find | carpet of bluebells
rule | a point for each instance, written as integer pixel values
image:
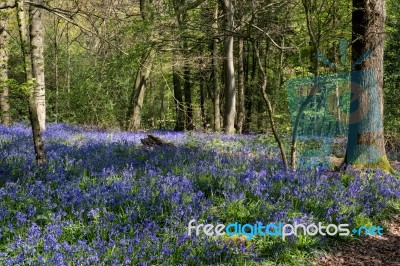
(102, 198)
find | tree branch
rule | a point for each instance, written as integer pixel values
(51, 9)
(269, 106)
(270, 38)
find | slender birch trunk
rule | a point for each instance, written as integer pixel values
(217, 102)
(4, 54)
(36, 42)
(230, 86)
(26, 50)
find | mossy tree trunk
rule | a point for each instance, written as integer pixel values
(366, 144)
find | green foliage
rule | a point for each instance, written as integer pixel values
(392, 68)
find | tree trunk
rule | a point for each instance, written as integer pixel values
(187, 88)
(140, 88)
(217, 110)
(202, 105)
(143, 73)
(4, 52)
(56, 72)
(179, 107)
(304, 104)
(241, 105)
(177, 68)
(248, 91)
(36, 38)
(315, 37)
(270, 109)
(162, 111)
(26, 50)
(366, 144)
(68, 70)
(230, 88)
(203, 94)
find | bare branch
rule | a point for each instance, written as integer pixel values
(269, 37)
(73, 22)
(309, 22)
(51, 9)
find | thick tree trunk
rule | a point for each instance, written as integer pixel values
(140, 88)
(4, 90)
(36, 38)
(366, 144)
(230, 86)
(217, 110)
(241, 105)
(26, 50)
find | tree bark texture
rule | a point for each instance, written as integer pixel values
(4, 55)
(366, 144)
(230, 86)
(140, 87)
(26, 50)
(36, 40)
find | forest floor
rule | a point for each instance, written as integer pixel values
(119, 198)
(374, 250)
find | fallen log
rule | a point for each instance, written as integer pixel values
(153, 141)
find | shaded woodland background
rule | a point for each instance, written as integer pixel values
(103, 57)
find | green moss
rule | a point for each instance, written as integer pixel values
(382, 164)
